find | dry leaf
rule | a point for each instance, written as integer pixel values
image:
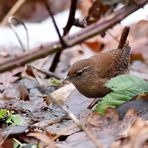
(96, 11)
(137, 57)
(140, 29)
(7, 78)
(16, 91)
(43, 137)
(95, 46)
(136, 136)
(84, 6)
(95, 120)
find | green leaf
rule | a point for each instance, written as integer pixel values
(3, 113)
(127, 82)
(15, 120)
(54, 82)
(124, 88)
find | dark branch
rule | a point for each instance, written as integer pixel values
(54, 22)
(79, 23)
(71, 18)
(75, 39)
(55, 61)
(70, 23)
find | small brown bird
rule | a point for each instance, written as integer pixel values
(90, 75)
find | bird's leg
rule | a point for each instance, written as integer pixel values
(94, 102)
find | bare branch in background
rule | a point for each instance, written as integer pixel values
(54, 22)
(10, 22)
(75, 39)
(70, 23)
(71, 18)
(55, 61)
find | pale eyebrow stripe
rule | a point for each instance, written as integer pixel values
(86, 67)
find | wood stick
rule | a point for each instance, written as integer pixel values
(12, 11)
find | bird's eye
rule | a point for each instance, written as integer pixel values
(79, 73)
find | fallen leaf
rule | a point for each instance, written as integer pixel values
(95, 46)
(95, 120)
(137, 57)
(16, 91)
(106, 129)
(28, 71)
(140, 29)
(43, 137)
(96, 11)
(7, 78)
(135, 137)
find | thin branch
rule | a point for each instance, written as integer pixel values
(71, 18)
(57, 56)
(54, 22)
(70, 23)
(10, 21)
(76, 120)
(103, 25)
(55, 61)
(12, 11)
(64, 131)
(75, 39)
(29, 56)
(44, 71)
(115, 38)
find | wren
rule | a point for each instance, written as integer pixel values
(90, 75)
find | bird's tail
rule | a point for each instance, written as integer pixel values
(123, 38)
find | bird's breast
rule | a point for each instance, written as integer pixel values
(92, 88)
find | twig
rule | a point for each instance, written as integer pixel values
(54, 22)
(64, 131)
(48, 73)
(38, 79)
(75, 39)
(70, 23)
(103, 25)
(76, 120)
(113, 36)
(10, 21)
(46, 123)
(71, 18)
(12, 11)
(55, 61)
(29, 56)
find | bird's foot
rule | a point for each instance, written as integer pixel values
(94, 102)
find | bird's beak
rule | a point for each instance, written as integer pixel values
(66, 80)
